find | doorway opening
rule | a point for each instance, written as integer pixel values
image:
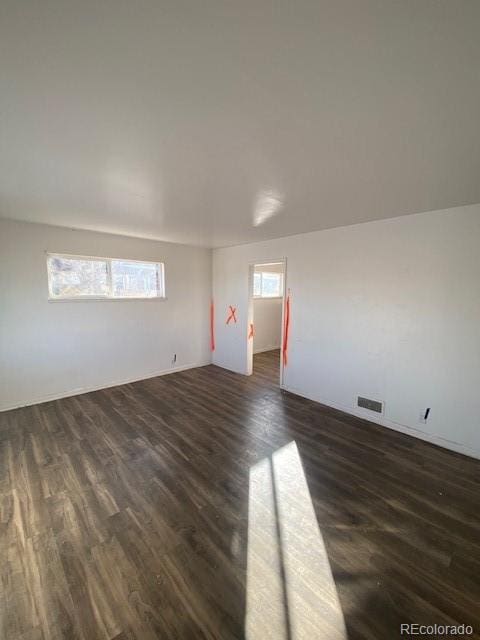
(266, 308)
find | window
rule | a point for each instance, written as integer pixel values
(267, 285)
(136, 279)
(79, 277)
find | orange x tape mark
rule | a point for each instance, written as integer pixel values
(232, 315)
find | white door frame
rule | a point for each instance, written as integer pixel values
(250, 316)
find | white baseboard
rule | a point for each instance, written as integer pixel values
(270, 348)
(383, 422)
(79, 391)
(396, 426)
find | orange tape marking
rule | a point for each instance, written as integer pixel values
(212, 326)
(232, 316)
(251, 332)
(286, 330)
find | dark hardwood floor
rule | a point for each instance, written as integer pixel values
(164, 509)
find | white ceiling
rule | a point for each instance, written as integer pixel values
(224, 122)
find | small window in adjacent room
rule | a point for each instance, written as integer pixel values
(79, 277)
(267, 285)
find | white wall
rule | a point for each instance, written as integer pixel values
(388, 309)
(267, 318)
(52, 349)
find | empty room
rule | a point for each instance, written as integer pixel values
(239, 320)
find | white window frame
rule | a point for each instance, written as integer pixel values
(268, 273)
(109, 296)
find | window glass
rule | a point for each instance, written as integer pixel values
(74, 277)
(271, 285)
(267, 285)
(136, 279)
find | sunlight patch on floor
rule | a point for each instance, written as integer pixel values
(291, 593)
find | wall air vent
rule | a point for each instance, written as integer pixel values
(371, 405)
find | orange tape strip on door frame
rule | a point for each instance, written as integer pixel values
(232, 316)
(212, 326)
(251, 331)
(286, 330)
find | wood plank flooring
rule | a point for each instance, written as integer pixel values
(124, 514)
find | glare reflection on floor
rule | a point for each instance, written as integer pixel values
(291, 593)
